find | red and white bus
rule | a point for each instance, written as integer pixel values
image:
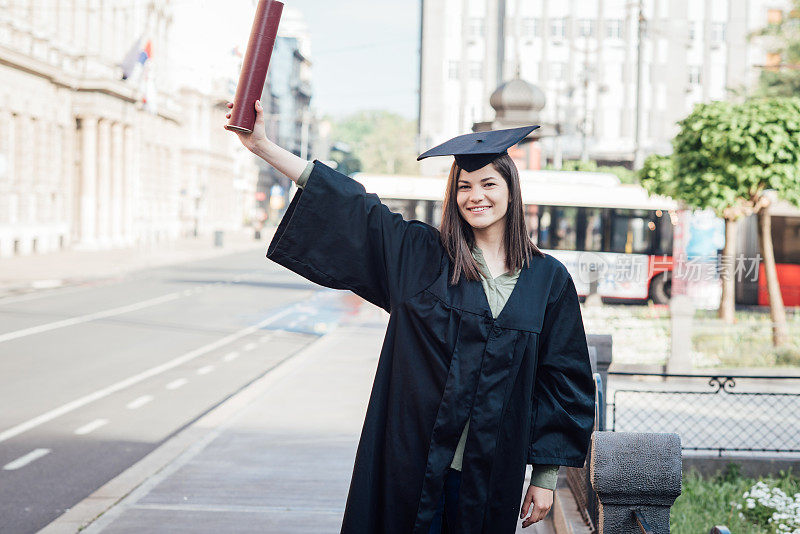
(600, 229)
(593, 223)
(786, 249)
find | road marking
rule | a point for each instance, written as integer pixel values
(153, 371)
(205, 370)
(22, 461)
(89, 317)
(175, 384)
(91, 427)
(250, 346)
(231, 356)
(138, 403)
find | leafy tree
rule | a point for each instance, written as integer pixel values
(781, 75)
(725, 157)
(383, 142)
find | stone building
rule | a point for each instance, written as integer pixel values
(583, 56)
(83, 163)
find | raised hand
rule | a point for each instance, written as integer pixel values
(258, 138)
(258, 143)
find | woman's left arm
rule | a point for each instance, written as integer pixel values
(540, 493)
(563, 412)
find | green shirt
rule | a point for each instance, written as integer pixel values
(497, 292)
(301, 182)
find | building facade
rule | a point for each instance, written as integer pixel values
(583, 55)
(84, 161)
(288, 94)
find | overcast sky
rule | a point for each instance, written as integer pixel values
(364, 52)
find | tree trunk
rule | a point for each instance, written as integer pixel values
(777, 312)
(728, 297)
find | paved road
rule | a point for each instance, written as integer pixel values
(93, 379)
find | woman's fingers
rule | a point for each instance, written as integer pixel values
(537, 515)
(526, 504)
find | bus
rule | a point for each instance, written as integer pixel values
(615, 239)
(786, 249)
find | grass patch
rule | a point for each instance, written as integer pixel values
(705, 503)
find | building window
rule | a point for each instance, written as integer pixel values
(475, 27)
(530, 27)
(558, 28)
(586, 28)
(452, 70)
(614, 29)
(718, 32)
(476, 70)
(774, 16)
(695, 76)
(773, 62)
(558, 71)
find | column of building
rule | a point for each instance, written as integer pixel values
(104, 166)
(131, 175)
(88, 194)
(6, 177)
(117, 182)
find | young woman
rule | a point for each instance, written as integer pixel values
(480, 373)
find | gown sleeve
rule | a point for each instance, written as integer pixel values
(337, 235)
(564, 390)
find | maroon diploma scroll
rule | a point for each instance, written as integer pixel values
(255, 65)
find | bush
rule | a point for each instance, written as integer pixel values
(724, 498)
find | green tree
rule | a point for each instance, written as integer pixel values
(725, 157)
(780, 77)
(383, 142)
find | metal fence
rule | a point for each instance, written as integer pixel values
(710, 413)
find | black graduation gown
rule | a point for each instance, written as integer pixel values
(523, 379)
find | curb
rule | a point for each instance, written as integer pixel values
(108, 501)
(16, 289)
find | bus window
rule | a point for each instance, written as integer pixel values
(786, 239)
(589, 229)
(630, 231)
(544, 227)
(663, 237)
(532, 222)
(436, 213)
(563, 228)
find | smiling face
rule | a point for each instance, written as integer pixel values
(482, 197)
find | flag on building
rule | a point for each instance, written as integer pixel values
(136, 57)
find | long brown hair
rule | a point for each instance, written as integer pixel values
(458, 237)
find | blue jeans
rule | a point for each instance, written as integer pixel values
(448, 504)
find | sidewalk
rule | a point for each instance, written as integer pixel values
(23, 274)
(276, 458)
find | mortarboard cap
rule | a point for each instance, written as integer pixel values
(476, 150)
